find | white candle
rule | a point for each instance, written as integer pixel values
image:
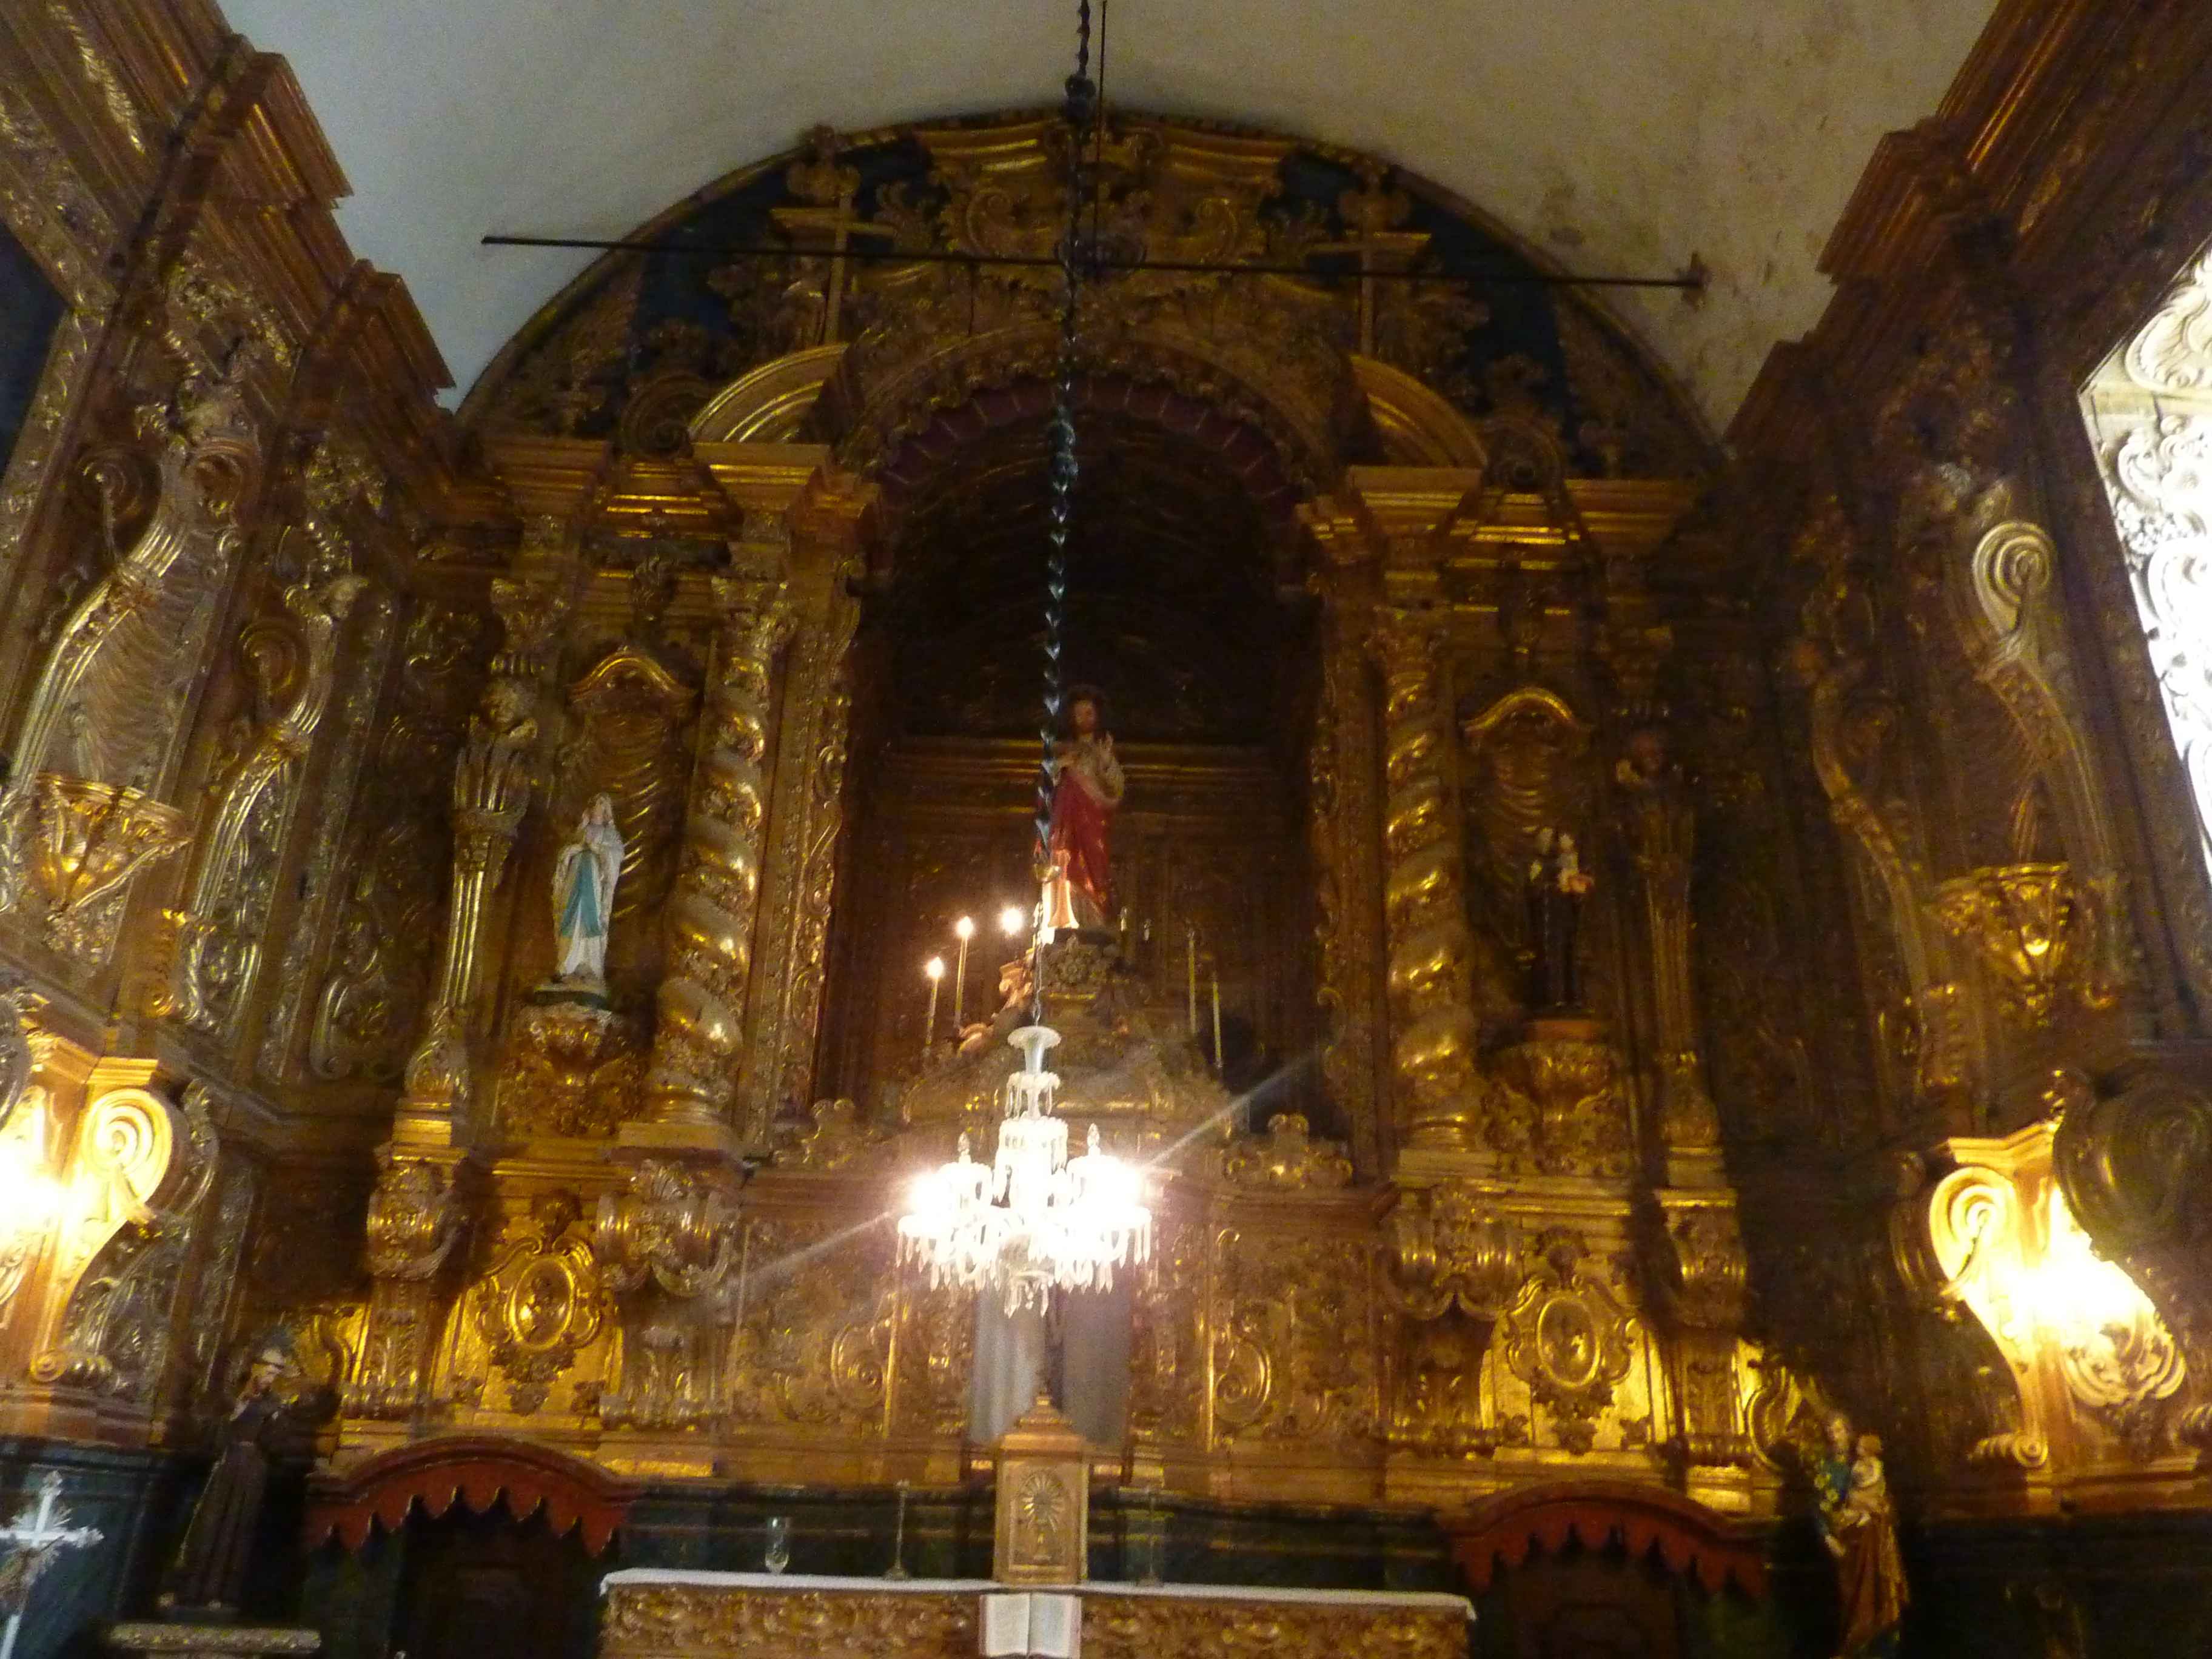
(965, 928)
(1190, 942)
(1217, 1018)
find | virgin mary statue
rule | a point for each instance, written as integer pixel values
(584, 896)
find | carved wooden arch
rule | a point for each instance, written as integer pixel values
(1691, 1539)
(477, 1470)
(897, 434)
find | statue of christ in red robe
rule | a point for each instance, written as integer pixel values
(1078, 890)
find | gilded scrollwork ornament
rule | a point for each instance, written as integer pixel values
(1561, 1103)
(146, 1168)
(1287, 1157)
(812, 1345)
(291, 661)
(415, 1221)
(1294, 1353)
(1451, 1246)
(542, 1303)
(1568, 1337)
(76, 846)
(665, 1246)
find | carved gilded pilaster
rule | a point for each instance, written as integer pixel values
(806, 820)
(1701, 1286)
(1437, 1091)
(1344, 807)
(97, 742)
(692, 1080)
(1661, 825)
(492, 784)
(219, 926)
(415, 1219)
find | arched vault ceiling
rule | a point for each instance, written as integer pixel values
(1610, 136)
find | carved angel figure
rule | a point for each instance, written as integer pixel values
(584, 896)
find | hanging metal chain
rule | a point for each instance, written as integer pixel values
(1080, 112)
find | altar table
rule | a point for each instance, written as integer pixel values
(656, 1614)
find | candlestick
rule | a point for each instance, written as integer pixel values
(965, 929)
(899, 1538)
(1216, 975)
(934, 968)
(1190, 943)
(1152, 1529)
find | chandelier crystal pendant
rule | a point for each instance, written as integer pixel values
(1034, 1221)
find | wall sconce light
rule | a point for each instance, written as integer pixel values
(30, 1195)
(2001, 1244)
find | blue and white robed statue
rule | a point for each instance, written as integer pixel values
(584, 879)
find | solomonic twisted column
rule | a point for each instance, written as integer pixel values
(696, 1049)
(1431, 992)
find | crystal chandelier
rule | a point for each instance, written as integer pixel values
(1035, 1219)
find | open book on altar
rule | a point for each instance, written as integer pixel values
(1044, 1623)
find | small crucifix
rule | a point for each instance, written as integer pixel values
(37, 1532)
(826, 227)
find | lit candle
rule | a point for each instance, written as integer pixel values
(964, 929)
(934, 968)
(1190, 943)
(1216, 975)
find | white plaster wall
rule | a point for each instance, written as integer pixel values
(1616, 134)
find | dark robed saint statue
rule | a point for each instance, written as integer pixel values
(209, 1573)
(1078, 888)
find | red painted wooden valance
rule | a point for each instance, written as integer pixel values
(1689, 1537)
(477, 1470)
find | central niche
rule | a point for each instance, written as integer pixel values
(1185, 609)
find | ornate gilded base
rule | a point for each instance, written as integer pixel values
(212, 1641)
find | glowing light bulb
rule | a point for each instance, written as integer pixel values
(934, 968)
(1013, 920)
(964, 929)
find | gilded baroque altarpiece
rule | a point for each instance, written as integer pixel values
(1388, 577)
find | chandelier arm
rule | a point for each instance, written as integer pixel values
(1032, 1222)
(1081, 111)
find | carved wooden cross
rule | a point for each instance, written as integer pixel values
(828, 226)
(1369, 214)
(37, 1532)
